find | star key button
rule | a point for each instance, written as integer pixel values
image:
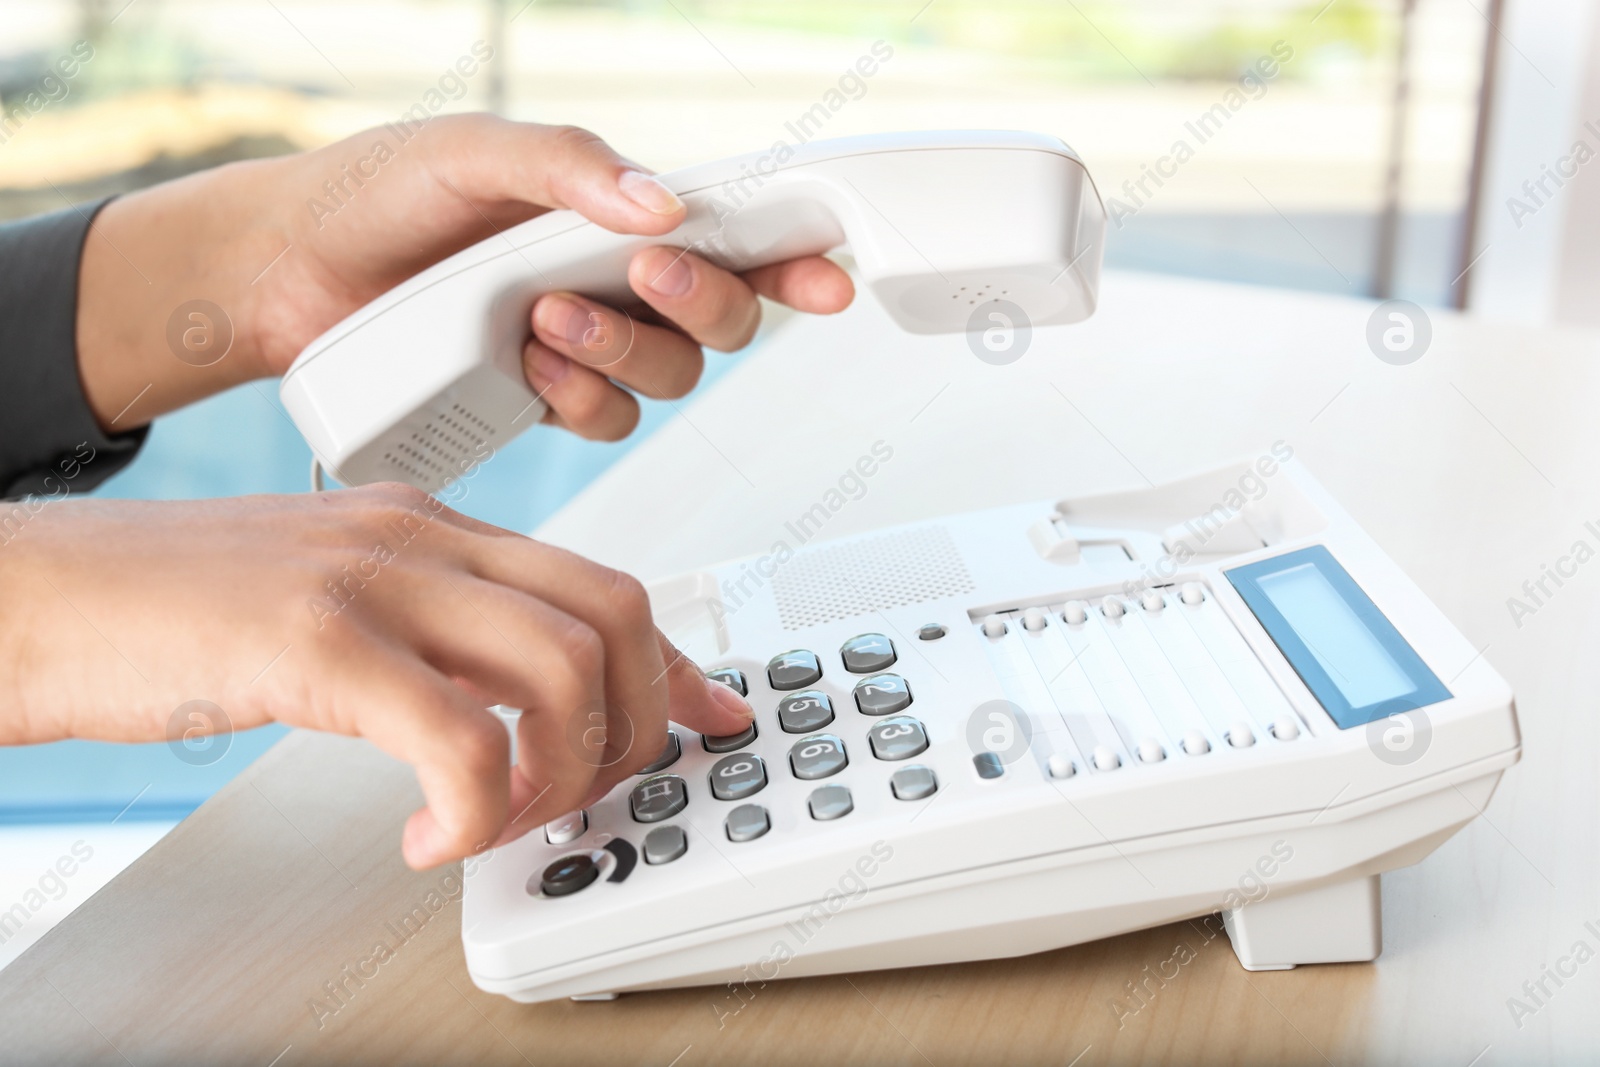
(794, 670)
(867, 654)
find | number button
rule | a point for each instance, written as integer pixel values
(867, 653)
(794, 670)
(817, 757)
(883, 694)
(669, 755)
(730, 742)
(747, 822)
(738, 776)
(805, 712)
(659, 798)
(896, 739)
(732, 679)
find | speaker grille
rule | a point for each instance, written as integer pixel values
(839, 581)
(441, 449)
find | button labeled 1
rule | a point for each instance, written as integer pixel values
(867, 653)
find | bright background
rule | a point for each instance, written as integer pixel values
(1291, 192)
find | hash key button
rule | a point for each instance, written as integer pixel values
(867, 653)
(794, 670)
(898, 738)
(817, 757)
(882, 694)
(738, 776)
(658, 798)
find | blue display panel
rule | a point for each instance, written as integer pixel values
(1349, 655)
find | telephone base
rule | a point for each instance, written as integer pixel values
(1337, 923)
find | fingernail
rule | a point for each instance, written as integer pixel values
(547, 367)
(562, 317)
(730, 700)
(668, 272)
(648, 193)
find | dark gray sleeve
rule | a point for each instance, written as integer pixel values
(49, 440)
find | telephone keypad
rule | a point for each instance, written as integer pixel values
(804, 712)
(738, 776)
(747, 822)
(882, 694)
(794, 670)
(817, 757)
(898, 738)
(658, 798)
(867, 653)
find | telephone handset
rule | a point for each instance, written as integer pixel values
(425, 381)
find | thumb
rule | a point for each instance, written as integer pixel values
(698, 702)
(560, 167)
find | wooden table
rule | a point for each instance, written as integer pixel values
(1475, 467)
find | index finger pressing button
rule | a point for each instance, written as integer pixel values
(867, 653)
(658, 798)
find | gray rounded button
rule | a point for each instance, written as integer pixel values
(738, 776)
(988, 765)
(899, 738)
(882, 694)
(817, 757)
(747, 822)
(794, 670)
(566, 829)
(867, 653)
(805, 712)
(669, 755)
(665, 844)
(830, 802)
(731, 678)
(729, 742)
(658, 798)
(914, 782)
(931, 631)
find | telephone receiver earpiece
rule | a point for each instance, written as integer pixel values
(947, 230)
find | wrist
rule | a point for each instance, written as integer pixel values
(167, 312)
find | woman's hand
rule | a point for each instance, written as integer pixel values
(289, 247)
(376, 612)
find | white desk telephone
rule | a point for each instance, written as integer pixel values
(984, 736)
(420, 384)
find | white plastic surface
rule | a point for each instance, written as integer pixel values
(1285, 835)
